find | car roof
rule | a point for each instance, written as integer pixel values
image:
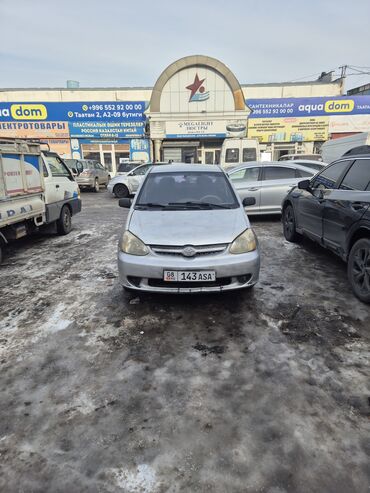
(282, 164)
(180, 167)
(351, 157)
(313, 161)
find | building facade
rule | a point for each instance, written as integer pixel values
(193, 106)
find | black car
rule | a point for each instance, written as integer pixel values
(333, 209)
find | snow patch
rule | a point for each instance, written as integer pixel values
(143, 479)
(56, 323)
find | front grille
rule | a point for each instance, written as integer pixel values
(159, 283)
(199, 250)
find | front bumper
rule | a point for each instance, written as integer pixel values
(146, 273)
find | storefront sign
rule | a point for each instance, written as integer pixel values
(349, 123)
(195, 129)
(34, 130)
(304, 107)
(139, 150)
(288, 129)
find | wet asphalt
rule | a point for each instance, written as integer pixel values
(104, 391)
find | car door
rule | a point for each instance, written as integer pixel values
(59, 184)
(276, 182)
(311, 203)
(136, 177)
(343, 208)
(248, 184)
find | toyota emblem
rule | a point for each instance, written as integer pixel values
(189, 251)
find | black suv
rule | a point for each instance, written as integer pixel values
(333, 209)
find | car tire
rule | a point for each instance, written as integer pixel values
(121, 191)
(358, 269)
(96, 185)
(64, 223)
(289, 225)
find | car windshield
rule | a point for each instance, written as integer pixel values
(187, 190)
(126, 167)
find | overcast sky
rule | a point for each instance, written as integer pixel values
(129, 42)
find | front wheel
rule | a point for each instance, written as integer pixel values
(64, 223)
(358, 269)
(121, 191)
(289, 226)
(96, 185)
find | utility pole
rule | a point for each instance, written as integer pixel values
(343, 76)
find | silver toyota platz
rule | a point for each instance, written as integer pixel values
(187, 232)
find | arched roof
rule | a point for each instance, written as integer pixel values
(191, 61)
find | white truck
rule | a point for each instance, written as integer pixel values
(36, 189)
(336, 148)
(237, 150)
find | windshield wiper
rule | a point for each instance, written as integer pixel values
(201, 205)
(152, 204)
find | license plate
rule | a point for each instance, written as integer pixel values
(189, 276)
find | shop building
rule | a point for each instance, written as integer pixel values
(193, 106)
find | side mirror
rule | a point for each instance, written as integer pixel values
(74, 171)
(248, 201)
(304, 185)
(125, 203)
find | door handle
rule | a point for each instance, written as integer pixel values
(253, 189)
(357, 206)
(56, 186)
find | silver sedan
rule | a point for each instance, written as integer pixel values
(186, 232)
(268, 182)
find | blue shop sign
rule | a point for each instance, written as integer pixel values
(325, 106)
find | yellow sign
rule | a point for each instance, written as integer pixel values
(303, 129)
(28, 112)
(341, 106)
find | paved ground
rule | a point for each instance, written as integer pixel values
(246, 392)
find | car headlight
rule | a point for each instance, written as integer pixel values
(132, 245)
(246, 242)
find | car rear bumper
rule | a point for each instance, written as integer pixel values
(146, 273)
(88, 181)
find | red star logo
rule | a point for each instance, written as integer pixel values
(195, 86)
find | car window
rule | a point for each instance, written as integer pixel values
(232, 155)
(141, 170)
(301, 172)
(358, 176)
(249, 154)
(329, 177)
(246, 174)
(278, 173)
(126, 167)
(57, 167)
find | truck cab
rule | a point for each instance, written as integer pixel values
(36, 189)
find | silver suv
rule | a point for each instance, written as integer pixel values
(88, 173)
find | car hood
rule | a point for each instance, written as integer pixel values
(195, 227)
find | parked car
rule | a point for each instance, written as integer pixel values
(125, 185)
(88, 173)
(127, 166)
(311, 157)
(307, 163)
(333, 209)
(268, 182)
(187, 231)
